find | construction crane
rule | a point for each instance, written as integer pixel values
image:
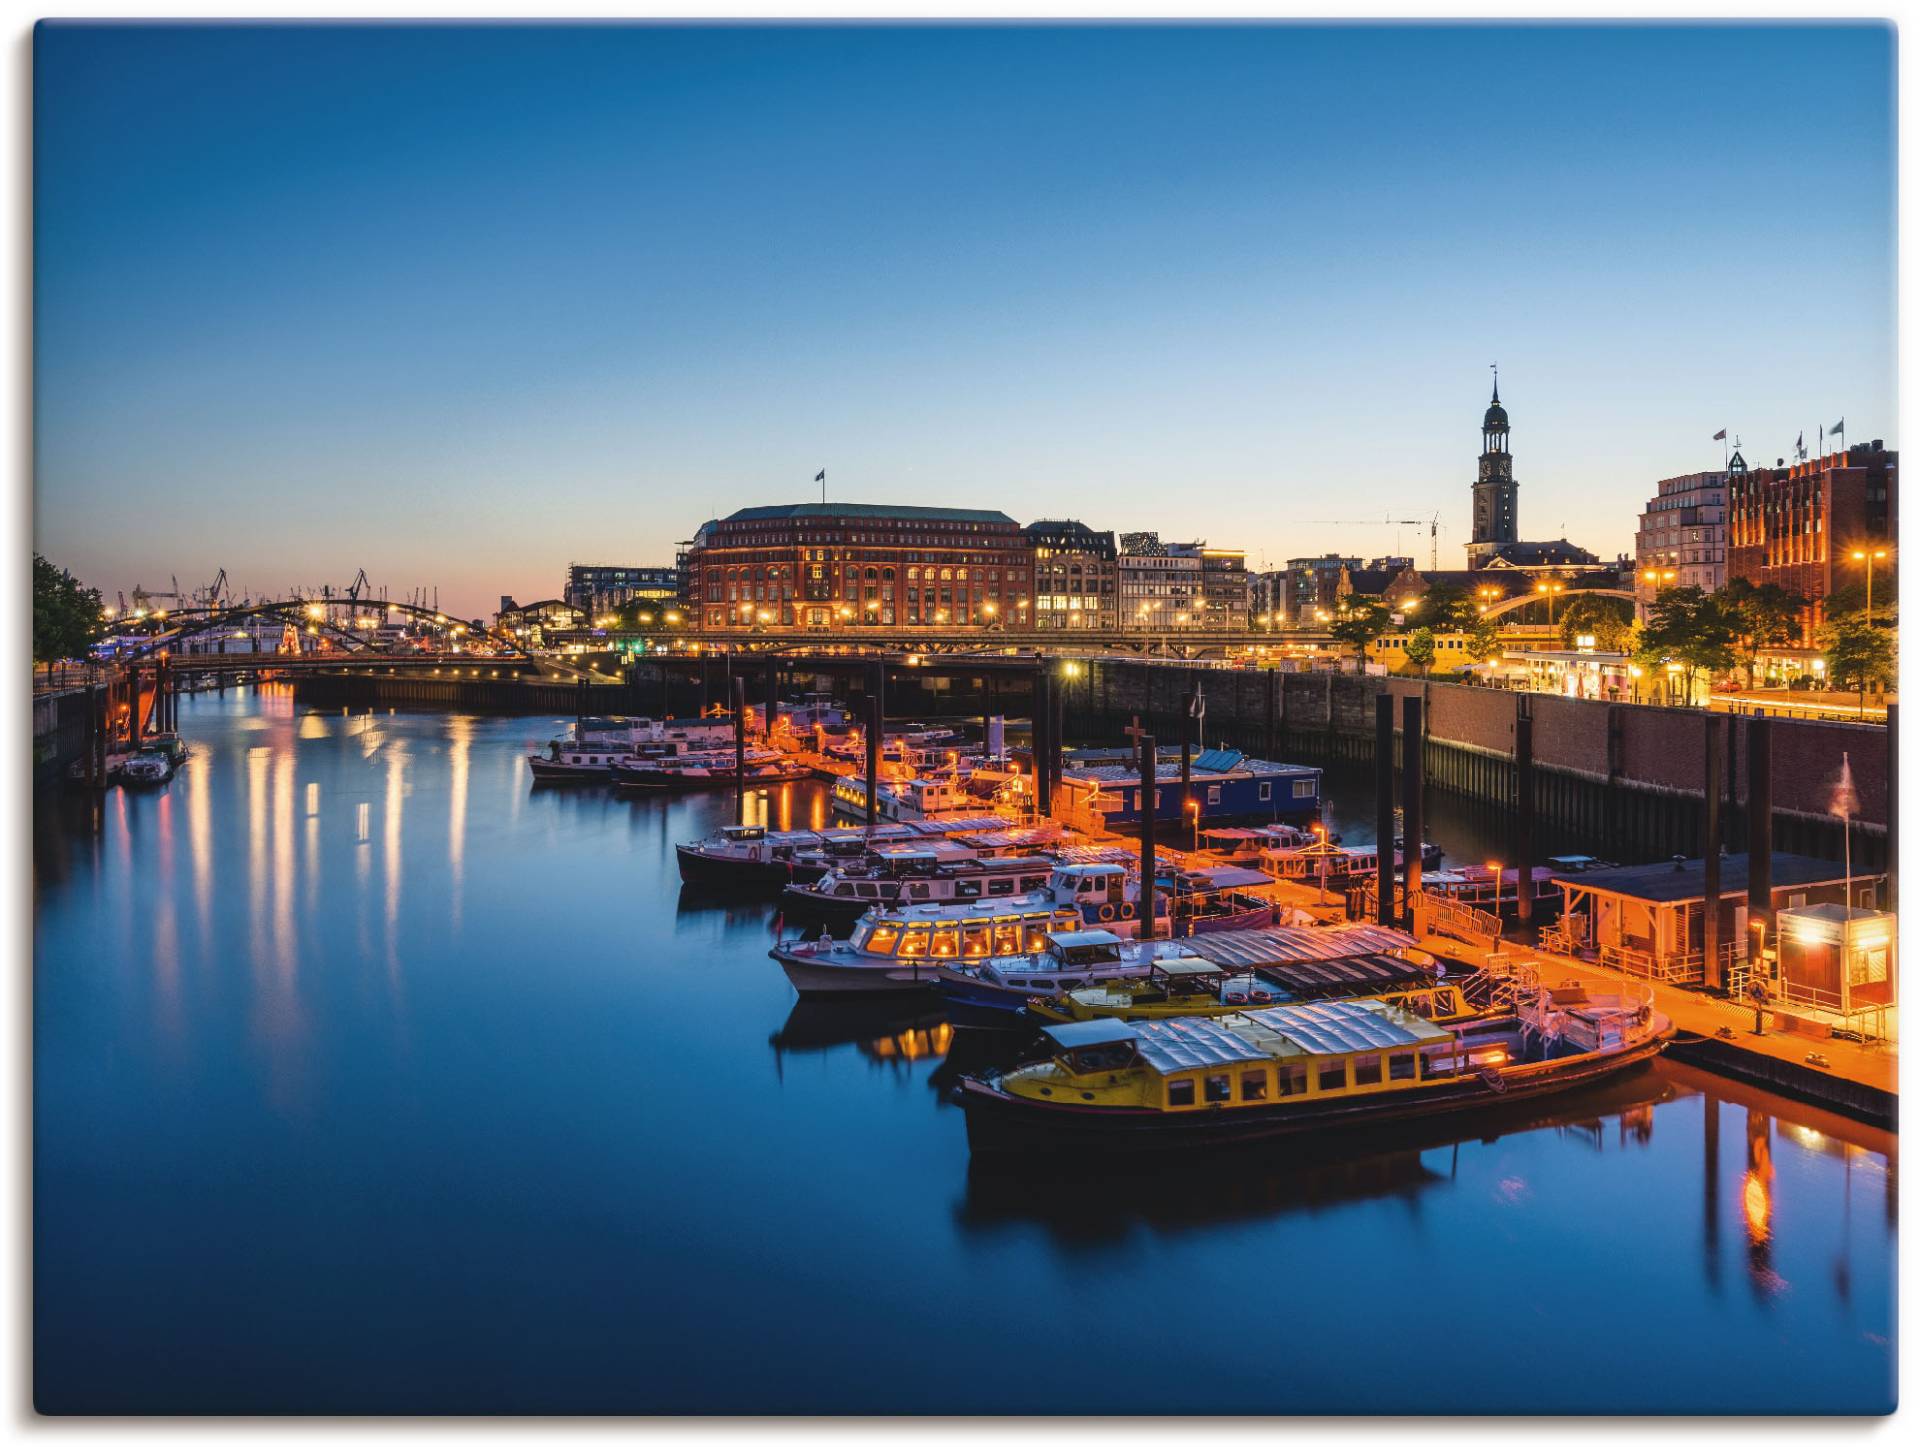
(359, 585)
(1432, 525)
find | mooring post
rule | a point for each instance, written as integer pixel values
(1056, 734)
(1710, 854)
(1522, 812)
(1273, 712)
(874, 683)
(1042, 754)
(1187, 705)
(1893, 808)
(1383, 912)
(1412, 793)
(773, 697)
(134, 728)
(1149, 798)
(739, 749)
(1759, 841)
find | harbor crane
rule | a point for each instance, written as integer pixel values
(1432, 525)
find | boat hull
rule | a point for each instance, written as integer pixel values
(545, 771)
(812, 975)
(698, 867)
(1002, 1124)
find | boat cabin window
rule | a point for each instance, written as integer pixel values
(1219, 1089)
(1036, 934)
(1006, 936)
(867, 891)
(1333, 1075)
(1292, 1078)
(1400, 1065)
(1266, 792)
(999, 886)
(1213, 793)
(966, 889)
(1179, 1092)
(1253, 1085)
(946, 941)
(915, 943)
(883, 938)
(843, 891)
(976, 940)
(1092, 1059)
(920, 891)
(1366, 1070)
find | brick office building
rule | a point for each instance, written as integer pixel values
(1075, 576)
(1799, 525)
(1682, 538)
(839, 565)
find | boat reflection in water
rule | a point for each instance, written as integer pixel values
(885, 1030)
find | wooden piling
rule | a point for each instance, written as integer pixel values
(739, 749)
(1412, 796)
(1523, 810)
(1760, 828)
(1383, 806)
(1710, 854)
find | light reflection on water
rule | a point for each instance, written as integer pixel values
(502, 1120)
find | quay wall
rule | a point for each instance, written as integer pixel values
(61, 733)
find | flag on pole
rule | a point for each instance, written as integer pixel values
(1721, 435)
(820, 476)
(1845, 802)
(1839, 427)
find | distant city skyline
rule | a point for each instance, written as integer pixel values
(462, 305)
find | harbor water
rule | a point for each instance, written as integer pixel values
(369, 1078)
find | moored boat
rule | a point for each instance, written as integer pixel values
(1287, 1070)
(1189, 987)
(925, 872)
(690, 773)
(901, 949)
(146, 768)
(1000, 988)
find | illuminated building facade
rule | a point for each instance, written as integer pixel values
(839, 565)
(1801, 525)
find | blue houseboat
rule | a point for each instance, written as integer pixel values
(1227, 786)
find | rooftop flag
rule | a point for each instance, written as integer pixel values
(1721, 435)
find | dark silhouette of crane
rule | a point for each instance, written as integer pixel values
(1432, 525)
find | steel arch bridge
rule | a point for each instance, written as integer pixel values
(1522, 600)
(168, 628)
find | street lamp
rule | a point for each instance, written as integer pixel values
(1495, 866)
(1549, 591)
(1860, 555)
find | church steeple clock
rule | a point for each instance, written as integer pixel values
(1496, 504)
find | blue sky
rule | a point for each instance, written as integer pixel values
(460, 306)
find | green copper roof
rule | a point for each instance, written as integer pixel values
(868, 510)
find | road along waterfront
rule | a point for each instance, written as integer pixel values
(371, 1078)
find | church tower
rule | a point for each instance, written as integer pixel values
(1496, 503)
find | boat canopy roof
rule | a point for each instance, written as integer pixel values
(1281, 944)
(1186, 967)
(744, 831)
(1184, 1043)
(1082, 939)
(1076, 1033)
(1341, 1027)
(1090, 871)
(1228, 876)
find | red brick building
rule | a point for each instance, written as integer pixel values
(1799, 525)
(839, 565)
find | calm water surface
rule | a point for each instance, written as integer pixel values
(369, 1078)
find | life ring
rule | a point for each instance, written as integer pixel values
(1106, 913)
(1126, 911)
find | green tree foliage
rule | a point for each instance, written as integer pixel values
(1762, 616)
(1420, 649)
(1859, 656)
(1447, 609)
(1607, 619)
(66, 616)
(1483, 639)
(1687, 626)
(1360, 625)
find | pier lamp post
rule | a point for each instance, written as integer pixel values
(1550, 591)
(1193, 817)
(991, 609)
(1495, 866)
(1861, 555)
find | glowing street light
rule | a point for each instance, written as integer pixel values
(1861, 555)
